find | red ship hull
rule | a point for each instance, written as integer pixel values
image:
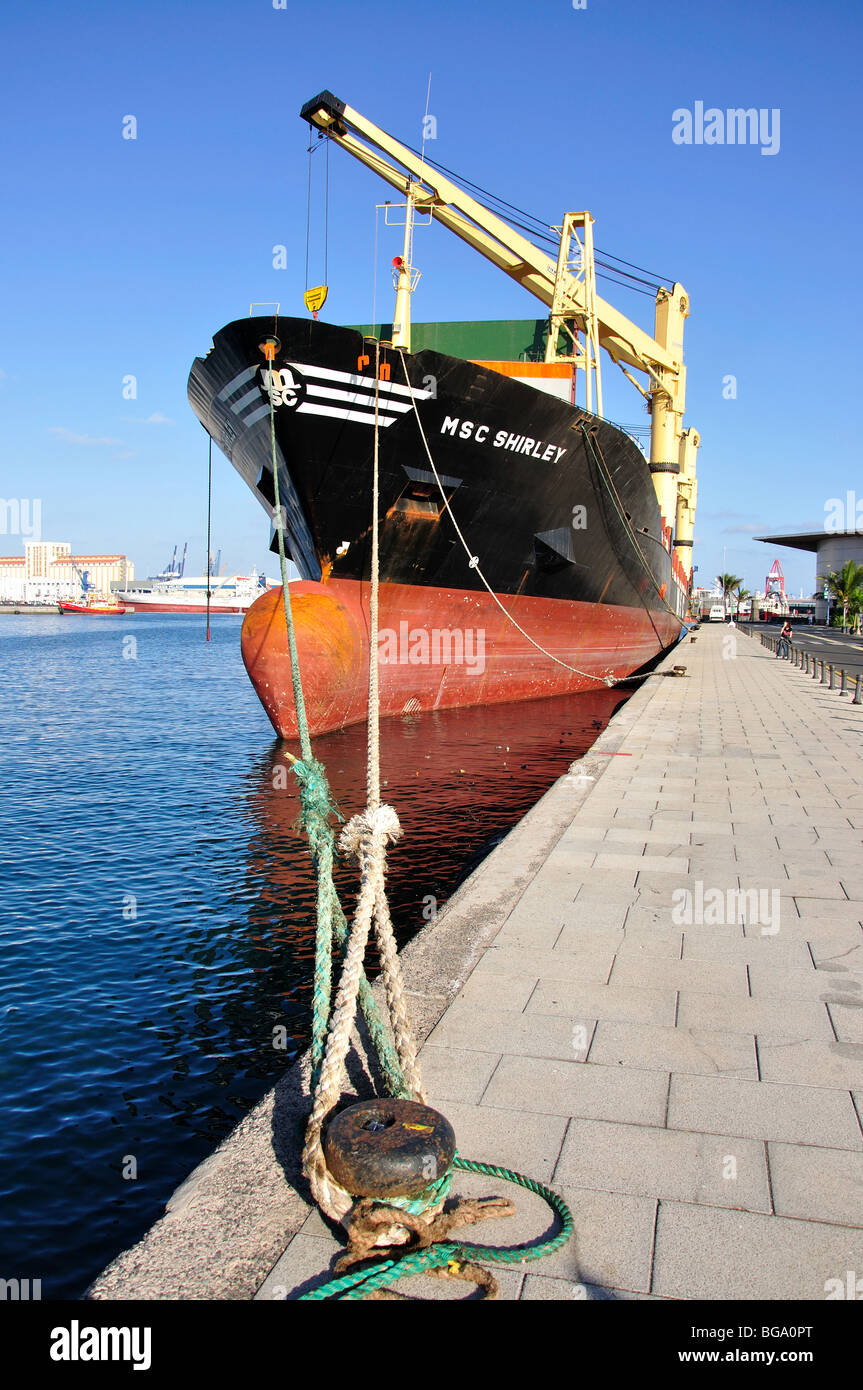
(98, 610)
(438, 649)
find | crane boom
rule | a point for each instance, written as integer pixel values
(659, 357)
(513, 253)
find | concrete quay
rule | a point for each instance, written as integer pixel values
(28, 610)
(649, 996)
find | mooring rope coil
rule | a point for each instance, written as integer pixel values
(361, 1283)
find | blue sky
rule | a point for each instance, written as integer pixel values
(123, 257)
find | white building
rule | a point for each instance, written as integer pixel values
(11, 578)
(48, 571)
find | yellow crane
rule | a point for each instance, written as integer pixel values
(567, 288)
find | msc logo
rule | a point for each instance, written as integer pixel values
(284, 387)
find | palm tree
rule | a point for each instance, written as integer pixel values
(728, 583)
(740, 596)
(846, 587)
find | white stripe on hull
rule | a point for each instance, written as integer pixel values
(361, 417)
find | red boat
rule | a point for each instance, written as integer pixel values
(97, 609)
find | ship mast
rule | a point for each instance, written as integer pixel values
(567, 289)
(404, 279)
(575, 261)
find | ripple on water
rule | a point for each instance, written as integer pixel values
(156, 905)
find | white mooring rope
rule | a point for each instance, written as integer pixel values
(366, 837)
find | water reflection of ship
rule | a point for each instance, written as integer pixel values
(459, 779)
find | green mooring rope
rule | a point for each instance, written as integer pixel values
(360, 1283)
(317, 809)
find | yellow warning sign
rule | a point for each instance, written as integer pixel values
(315, 298)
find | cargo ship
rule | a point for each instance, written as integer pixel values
(527, 546)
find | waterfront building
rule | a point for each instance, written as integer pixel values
(48, 571)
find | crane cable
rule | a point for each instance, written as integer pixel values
(540, 229)
(311, 150)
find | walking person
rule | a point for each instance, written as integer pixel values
(785, 641)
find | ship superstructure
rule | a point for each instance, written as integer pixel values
(179, 593)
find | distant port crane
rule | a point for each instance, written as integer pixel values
(84, 580)
(775, 581)
(174, 570)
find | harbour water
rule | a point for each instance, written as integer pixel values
(156, 903)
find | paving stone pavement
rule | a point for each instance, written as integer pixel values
(668, 1026)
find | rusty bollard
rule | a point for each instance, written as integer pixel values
(388, 1148)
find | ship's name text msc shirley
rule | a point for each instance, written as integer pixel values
(517, 443)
